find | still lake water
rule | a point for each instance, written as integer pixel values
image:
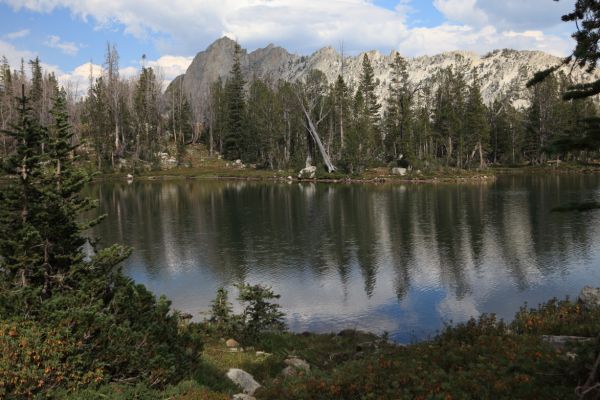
(401, 259)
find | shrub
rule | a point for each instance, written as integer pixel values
(483, 364)
(39, 358)
(187, 390)
(558, 317)
(259, 314)
(221, 312)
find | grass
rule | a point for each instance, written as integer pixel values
(198, 164)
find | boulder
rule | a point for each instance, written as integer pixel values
(232, 343)
(242, 396)
(289, 371)
(297, 363)
(309, 172)
(399, 171)
(590, 296)
(244, 380)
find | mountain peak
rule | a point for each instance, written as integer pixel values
(223, 42)
(501, 69)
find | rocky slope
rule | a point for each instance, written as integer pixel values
(500, 71)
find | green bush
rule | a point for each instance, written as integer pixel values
(259, 315)
(134, 336)
(79, 340)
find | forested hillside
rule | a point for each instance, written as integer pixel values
(442, 121)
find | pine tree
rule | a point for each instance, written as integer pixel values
(342, 101)
(234, 93)
(7, 104)
(398, 116)
(98, 122)
(476, 123)
(368, 110)
(36, 94)
(122, 331)
(217, 116)
(543, 119)
(146, 111)
(22, 209)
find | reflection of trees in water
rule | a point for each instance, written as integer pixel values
(235, 229)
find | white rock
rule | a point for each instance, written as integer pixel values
(590, 296)
(238, 162)
(129, 177)
(298, 364)
(308, 172)
(289, 371)
(399, 171)
(242, 396)
(243, 380)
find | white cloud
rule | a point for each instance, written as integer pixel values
(78, 80)
(54, 42)
(167, 67)
(464, 11)
(505, 14)
(14, 55)
(171, 66)
(186, 27)
(16, 35)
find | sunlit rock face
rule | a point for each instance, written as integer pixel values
(500, 72)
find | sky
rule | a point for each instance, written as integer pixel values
(70, 36)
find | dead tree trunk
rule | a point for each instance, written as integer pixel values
(312, 129)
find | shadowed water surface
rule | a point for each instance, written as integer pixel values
(395, 258)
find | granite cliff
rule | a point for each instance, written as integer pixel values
(500, 71)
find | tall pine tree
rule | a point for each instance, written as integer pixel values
(233, 143)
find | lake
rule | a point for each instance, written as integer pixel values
(402, 258)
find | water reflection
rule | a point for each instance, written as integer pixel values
(399, 258)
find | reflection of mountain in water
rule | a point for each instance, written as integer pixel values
(465, 240)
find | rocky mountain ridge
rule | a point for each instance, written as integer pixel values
(500, 71)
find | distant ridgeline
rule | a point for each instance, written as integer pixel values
(278, 110)
(501, 73)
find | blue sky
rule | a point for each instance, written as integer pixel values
(68, 34)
